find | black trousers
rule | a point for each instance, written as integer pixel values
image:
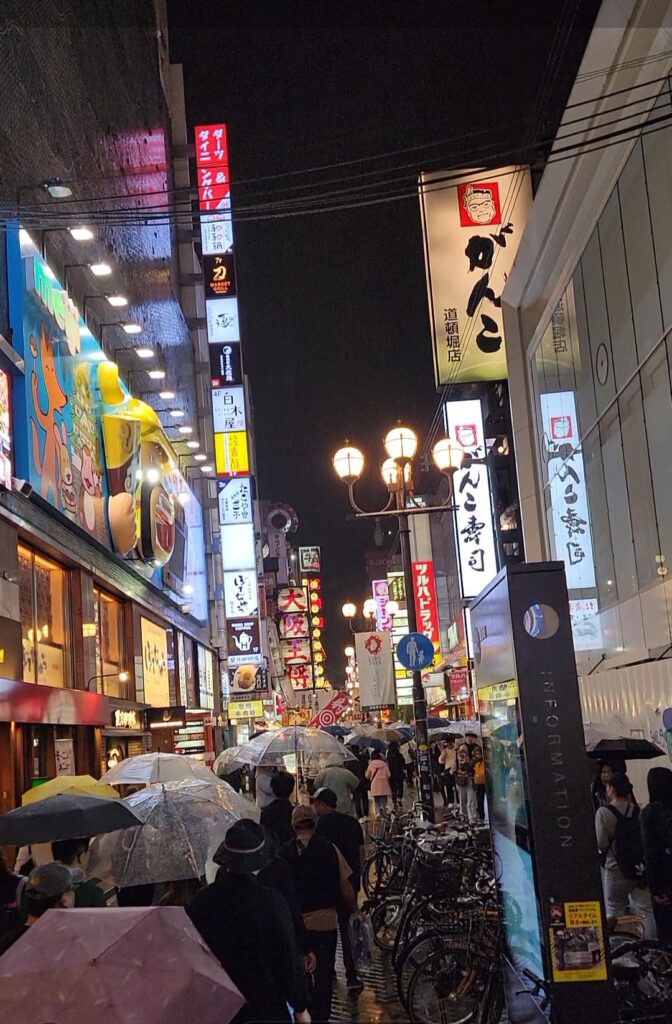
(480, 799)
(397, 787)
(323, 945)
(361, 801)
(663, 918)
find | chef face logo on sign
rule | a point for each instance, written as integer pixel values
(309, 559)
(479, 203)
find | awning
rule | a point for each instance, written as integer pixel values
(34, 704)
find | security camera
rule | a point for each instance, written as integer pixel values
(22, 486)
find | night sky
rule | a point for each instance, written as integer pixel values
(334, 305)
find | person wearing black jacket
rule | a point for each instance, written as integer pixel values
(277, 816)
(320, 875)
(656, 825)
(249, 929)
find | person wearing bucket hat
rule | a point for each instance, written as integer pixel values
(249, 929)
(320, 876)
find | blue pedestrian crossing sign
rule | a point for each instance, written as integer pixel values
(415, 651)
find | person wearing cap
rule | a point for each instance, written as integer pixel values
(341, 780)
(346, 834)
(49, 886)
(277, 816)
(320, 874)
(248, 928)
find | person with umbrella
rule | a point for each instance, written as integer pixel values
(49, 886)
(395, 763)
(249, 929)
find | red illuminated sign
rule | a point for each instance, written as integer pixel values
(426, 606)
(212, 163)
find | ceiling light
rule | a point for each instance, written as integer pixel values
(81, 234)
(156, 374)
(132, 328)
(100, 270)
(194, 445)
(200, 457)
(185, 430)
(166, 395)
(57, 188)
(144, 353)
(177, 413)
(206, 469)
(117, 300)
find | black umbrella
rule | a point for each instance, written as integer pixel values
(627, 748)
(65, 816)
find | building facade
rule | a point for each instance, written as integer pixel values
(107, 592)
(588, 314)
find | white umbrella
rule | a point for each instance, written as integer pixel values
(312, 746)
(146, 769)
(227, 761)
(183, 824)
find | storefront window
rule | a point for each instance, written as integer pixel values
(603, 393)
(43, 599)
(109, 615)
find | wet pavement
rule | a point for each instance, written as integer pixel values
(378, 1002)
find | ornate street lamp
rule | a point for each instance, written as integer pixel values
(401, 445)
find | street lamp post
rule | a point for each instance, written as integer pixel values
(123, 677)
(397, 471)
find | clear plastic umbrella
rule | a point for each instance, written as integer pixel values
(311, 746)
(183, 824)
(146, 769)
(227, 761)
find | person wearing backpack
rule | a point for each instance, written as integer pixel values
(656, 822)
(622, 855)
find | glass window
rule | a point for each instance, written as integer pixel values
(640, 489)
(109, 619)
(618, 292)
(43, 604)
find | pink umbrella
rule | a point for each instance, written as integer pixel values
(115, 966)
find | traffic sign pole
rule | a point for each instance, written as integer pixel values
(425, 778)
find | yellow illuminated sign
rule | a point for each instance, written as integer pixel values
(245, 709)
(231, 453)
(499, 691)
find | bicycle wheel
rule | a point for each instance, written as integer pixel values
(411, 957)
(443, 989)
(492, 1004)
(385, 920)
(643, 978)
(377, 874)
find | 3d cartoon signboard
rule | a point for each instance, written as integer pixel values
(95, 453)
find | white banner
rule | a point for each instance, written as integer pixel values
(65, 757)
(375, 670)
(474, 526)
(472, 230)
(561, 450)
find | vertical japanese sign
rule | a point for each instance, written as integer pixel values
(375, 670)
(381, 595)
(561, 451)
(472, 230)
(426, 605)
(474, 527)
(229, 403)
(399, 627)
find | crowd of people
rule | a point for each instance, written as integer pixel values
(459, 775)
(635, 847)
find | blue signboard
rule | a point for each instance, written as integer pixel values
(415, 651)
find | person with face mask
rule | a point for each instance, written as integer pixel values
(49, 886)
(320, 874)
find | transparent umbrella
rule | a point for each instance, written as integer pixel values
(146, 769)
(183, 824)
(311, 746)
(227, 761)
